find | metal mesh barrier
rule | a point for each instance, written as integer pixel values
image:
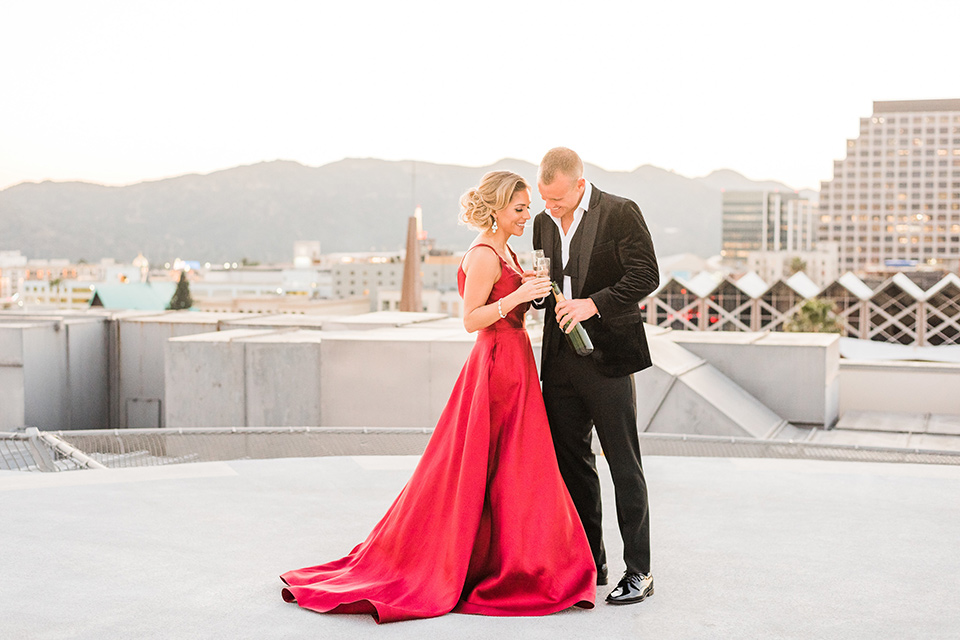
(720, 447)
(64, 450)
(18, 453)
(116, 448)
(37, 450)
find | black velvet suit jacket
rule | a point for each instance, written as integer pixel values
(612, 262)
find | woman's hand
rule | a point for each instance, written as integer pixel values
(528, 275)
(533, 288)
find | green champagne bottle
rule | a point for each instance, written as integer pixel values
(578, 338)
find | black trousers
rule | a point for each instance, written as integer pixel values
(577, 398)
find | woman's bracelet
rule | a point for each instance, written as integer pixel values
(500, 309)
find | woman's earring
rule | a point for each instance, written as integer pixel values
(493, 229)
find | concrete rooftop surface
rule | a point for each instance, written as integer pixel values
(742, 548)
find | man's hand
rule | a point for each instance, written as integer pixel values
(574, 311)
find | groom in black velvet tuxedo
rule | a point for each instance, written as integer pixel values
(602, 257)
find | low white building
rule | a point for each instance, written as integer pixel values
(820, 264)
(220, 284)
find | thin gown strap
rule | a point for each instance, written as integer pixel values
(480, 244)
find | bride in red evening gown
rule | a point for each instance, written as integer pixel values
(485, 524)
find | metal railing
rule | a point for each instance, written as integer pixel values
(63, 450)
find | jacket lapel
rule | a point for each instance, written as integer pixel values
(551, 246)
(588, 229)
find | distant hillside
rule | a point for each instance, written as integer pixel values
(258, 211)
(733, 181)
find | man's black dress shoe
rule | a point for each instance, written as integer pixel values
(602, 575)
(633, 587)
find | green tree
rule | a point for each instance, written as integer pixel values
(181, 297)
(797, 265)
(55, 283)
(815, 316)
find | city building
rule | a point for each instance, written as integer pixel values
(894, 200)
(766, 221)
(218, 283)
(44, 284)
(306, 253)
(821, 264)
(12, 267)
(133, 296)
(367, 274)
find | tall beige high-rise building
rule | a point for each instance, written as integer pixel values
(894, 201)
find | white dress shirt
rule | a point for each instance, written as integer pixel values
(565, 238)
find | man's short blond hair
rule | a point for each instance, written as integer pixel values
(560, 160)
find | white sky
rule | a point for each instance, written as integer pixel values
(122, 91)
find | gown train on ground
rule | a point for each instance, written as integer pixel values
(485, 524)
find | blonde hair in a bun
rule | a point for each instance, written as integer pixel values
(494, 193)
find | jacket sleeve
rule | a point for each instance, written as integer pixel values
(636, 256)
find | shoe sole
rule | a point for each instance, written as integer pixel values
(641, 598)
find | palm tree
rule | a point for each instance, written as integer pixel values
(815, 316)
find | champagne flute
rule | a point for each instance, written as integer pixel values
(537, 254)
(541, 267)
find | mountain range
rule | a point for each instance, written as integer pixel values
(257, 211)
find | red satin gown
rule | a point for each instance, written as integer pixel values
(485, 525)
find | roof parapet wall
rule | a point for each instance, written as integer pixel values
(901, 106)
